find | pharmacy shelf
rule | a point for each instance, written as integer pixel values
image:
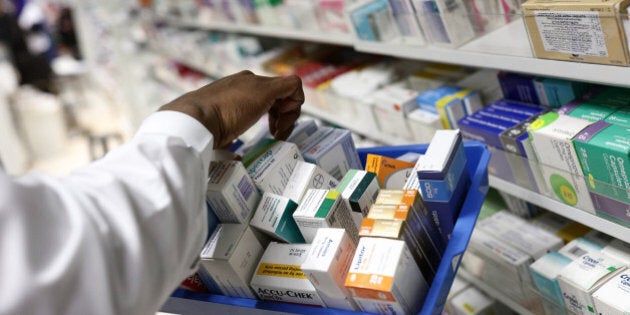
(611, 228)
(506, 48)
(494, 292)
(370, 134)
(269, 31)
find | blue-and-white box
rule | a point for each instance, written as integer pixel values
(335, 153)
(443, 177)
(231, 192)
(545, 272)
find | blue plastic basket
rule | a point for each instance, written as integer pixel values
(478, 158)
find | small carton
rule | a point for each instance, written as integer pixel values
(392, 173)
(614, 296)
(620, 117)
(588, 111)
(327, 264)
(321, 208)
(517, 107)
(551, 136)
(471, 301)
(383, 278)
(619, 250)
(601, 239)
(335, 153)
(279, 277)
(579, 247)
(392, 104)
(450, 103)
(443, 177)
(485, 81)
(372, 20)
(445, 22)
(518, 87)
(601, 36)
(270, 164)
(407, 22)
(306, 176)
(230, 258)
(557, 92)
(401, 230)
(274, 217)
(520, 234)
(459, 285)
(231, 192)
(302, 130)
(582, 277)
(545, 272)
(358, 190)
(413, 200)
(423, 125)
(604, 153)
(562, 227)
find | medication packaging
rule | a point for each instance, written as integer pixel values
(306, 176)
(358, 190)
(270, 164)
(614, 296)
(579, 247)
(274, 217)
(545, 272)
(392, 104)
(230, 258)
(384, 279)
(327, 264)
(391, 173)
(321, 208)
(333, 150)
(279, 277)
(231, 192)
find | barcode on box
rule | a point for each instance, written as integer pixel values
(245, 187)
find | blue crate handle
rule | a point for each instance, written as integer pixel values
(478, 158)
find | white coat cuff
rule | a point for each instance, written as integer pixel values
(176, 124)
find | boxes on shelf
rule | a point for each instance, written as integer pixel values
(545, 272)
(384, 277)
(231, 192)
(614, 296)
(274, 217)
(582, 277)
(326, 266)
(392, 105)
(604, 153)
(619, 250)
(579, 247)
(459, 285)
(407, 22)
(423, 125)
(552, 135)
(321, 208)
(230, 258)
(562, 227)
(620, 117)
(598, 24)
(450, 102)
(372, 20)
(472, 301)
(446, 23)
(279, 277)
(358, 190)
(391, 173)
(270, 164)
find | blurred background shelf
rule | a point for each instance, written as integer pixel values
(493, 292)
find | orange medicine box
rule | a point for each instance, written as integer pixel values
(391, 173)
(383, 278)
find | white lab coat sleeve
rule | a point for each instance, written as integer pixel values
(114, 237)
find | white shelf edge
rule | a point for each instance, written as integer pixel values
(373, 134)
(608, 227)
(271, 31)
(493, 292)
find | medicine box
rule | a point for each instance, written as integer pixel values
(551, 136)
(518, 87)
(407, 22)
(443, 23)
(270, 164)
(280, 278)
(230, 258)
(520, 234)
(321, 208)
(231, 192)
(601, 239)
(620, 118)
(302, 130)
(557, 92)
(486, 82)
(584, 110)
(305, 176)
(423, 125)
(582, 277)
(459, 285)
(383, 278)
(335, 152)
(614, 296)
(562, 227)
(358, 191)
(604, 153)
(274, 217)
(372, 20)
(471, 301)
(391, 173)
(413, 200)
(545, 272)
(579, 247)
(326, 266)
(618, 250)
(392, 104)
(443, 178)
(600, 22)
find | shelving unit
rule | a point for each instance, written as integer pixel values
(506, 48)
(494, 293)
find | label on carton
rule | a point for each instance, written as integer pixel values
(572, 32)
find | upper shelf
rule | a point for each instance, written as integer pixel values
(506, 48)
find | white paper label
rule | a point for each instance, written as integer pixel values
(572, 32)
